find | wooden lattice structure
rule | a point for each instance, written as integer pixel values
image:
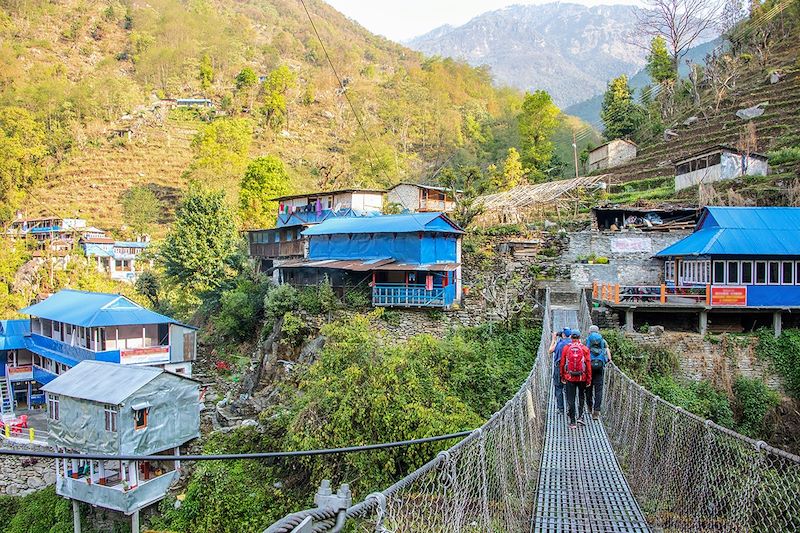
(529, 202)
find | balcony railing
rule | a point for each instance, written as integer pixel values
(651, 294)
(277, 249)
(402, 295)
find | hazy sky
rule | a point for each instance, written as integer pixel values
(404, 19)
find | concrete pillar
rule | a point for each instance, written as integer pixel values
(703, 325)
(777, 323)
(76, 517)
(629, 320)
(135, 522)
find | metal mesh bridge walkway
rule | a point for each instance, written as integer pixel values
(581, 486)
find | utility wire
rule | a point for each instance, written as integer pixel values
(231, 456)
(344, 89)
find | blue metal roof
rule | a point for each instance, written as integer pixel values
(131, 244)
(95, 309)
(414, 222)
(12, 334)
(94, 249)
(742, 231)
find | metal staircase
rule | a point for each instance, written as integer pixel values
(6, 398)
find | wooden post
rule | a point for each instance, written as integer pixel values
(594, 289)
(663, 293)
(616, 293)
(708, 294)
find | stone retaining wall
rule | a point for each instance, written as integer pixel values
(23, 475)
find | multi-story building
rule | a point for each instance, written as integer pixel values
(111, 409)
(73, 326)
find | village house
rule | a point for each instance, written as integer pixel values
(611, 154)
(73, 326)
(119, 259)
(53, 233)
(718, 163)
(411, 260)
(111, 409)
(738, 270)
(269, 247)
(419, 198)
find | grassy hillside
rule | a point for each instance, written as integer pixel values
(775, 132)
(85, 68)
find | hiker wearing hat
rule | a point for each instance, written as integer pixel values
(576, 374)
(600, 356)
(560, 339)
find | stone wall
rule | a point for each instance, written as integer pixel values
(718, 361)
(630, 254)
(23, 475)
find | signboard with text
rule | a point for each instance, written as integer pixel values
(729, 296)
(20, 373)
(149, 355)
(631, 245)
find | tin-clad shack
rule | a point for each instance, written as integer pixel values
(107, 408)
(718, 163)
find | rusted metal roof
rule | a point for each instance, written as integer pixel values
(368, 265)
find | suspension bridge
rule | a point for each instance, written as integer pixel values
(645, 466)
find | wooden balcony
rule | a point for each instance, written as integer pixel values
(402, 295)
(278, 249)
(652, 296)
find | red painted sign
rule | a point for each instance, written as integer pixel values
(20, 373)
(151, 354)
(729, 296)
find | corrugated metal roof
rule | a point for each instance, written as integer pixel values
(742, 231)
(102, 382)
(95, 309)
(354, 265)
(12, 334)
(387, 224)
(325, 193)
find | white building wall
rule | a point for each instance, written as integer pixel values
(730, 167)
(620, 152)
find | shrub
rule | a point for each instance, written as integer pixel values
(40, 512)
(754, 400)
(241, 309)
(784, 155)
(293, 330)
(784, 353)
(357, 298)
(280, 300)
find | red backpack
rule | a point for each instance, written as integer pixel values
(575, 365)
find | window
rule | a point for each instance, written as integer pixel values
(719, 272)
(52, 407)
(747, 273)
(761, 273)
(669, 271)
(787, 273)
(140, 418)
(774, 273)
(797, 269)
(111, 417)
(733, 272)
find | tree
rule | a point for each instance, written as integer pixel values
(537, 122)
(464, 187)
(512, 173)
(659, 63)
(620, 114)
(246, 79)
(199, 252)
(264, 178)
(221, 150)
(206, 74)
(140, 209)
(274, 89)
(22, 156)
(680, 22)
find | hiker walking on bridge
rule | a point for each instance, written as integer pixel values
(600, 356)
(560, 339)
(576, 375)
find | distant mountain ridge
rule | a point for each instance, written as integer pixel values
(567, 49)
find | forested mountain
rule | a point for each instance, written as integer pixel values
(76, 76)
(569, 50)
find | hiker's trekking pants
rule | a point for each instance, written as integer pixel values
(558, 389)
(594, 393)
(572, 388)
